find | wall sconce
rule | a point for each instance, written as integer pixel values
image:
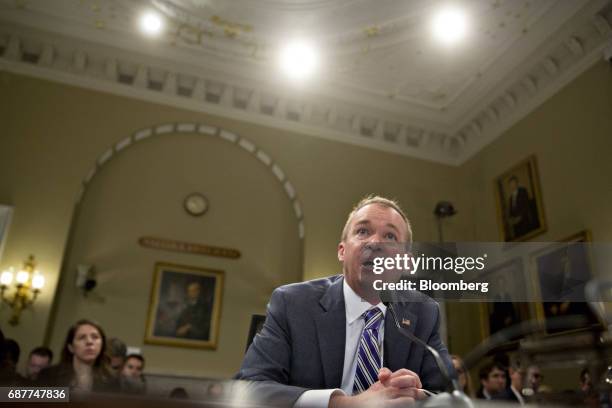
(444, 209)
(86, 278)
(28, 283)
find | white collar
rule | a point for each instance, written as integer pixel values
(355, 305)
(518, 394)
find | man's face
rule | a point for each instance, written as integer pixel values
(516, 376)
(193, 291)
(460, 373)
(495, 382)
(116, 362)
(35, 365)
(534, 377)
(371, 233)
(132, 368)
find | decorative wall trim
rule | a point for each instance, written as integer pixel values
(167, 244)
(449, 137)
(180, 128)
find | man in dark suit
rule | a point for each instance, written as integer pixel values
(492, 382)
(194, 320)
(520, 214)
(331, 343)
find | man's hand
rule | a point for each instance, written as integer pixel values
(392, 389)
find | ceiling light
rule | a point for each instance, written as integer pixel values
(450, 25)
(298, 59)
(151, 23)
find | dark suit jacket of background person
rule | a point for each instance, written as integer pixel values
(301, 345)
(62, 375)
(522, 209)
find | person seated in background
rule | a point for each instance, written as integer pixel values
(331, 342)
(39, 359)
(214, 391)
(587, 393)
(117, 351)
(6, 378)
(84, 365)
(463, 375)
(586, 385)
(179, 393)
(10, 359)
(534, 380)
(515, 390)
(12, 353)
(3, 371)
(492, 381)
(131, 379)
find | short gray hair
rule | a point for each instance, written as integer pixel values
(117, 348)
(385, 202)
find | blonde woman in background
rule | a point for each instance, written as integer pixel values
(463, 375)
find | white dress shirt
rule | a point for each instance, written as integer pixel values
(355, 306)
(518, 395)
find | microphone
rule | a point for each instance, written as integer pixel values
(457, 396)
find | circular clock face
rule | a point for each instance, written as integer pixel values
(196, 204)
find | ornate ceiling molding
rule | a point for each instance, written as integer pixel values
(103, 61)
(106, 69)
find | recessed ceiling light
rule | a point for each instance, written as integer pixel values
(450, 25)
(151, 23)
(298, 59)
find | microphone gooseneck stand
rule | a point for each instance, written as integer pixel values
(456, 397)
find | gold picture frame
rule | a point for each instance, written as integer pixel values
(185, 306)
(520, 211)
(516, 312)
(579, 259)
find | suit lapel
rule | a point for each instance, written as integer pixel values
(397, 347)
(331, 332)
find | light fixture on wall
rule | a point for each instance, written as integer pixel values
(86, 278)
(444, 209)
(28, 284)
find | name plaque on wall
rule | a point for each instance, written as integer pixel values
(187, 247)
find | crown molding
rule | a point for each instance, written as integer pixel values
(179, 78)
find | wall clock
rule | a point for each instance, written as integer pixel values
(195, 204)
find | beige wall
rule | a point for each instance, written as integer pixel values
(57, 133)
(141, 193)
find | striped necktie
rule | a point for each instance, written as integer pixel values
(368, 352)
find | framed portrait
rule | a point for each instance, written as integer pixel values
(519, 202)
(185, 306)
(6, 212)
(506, 282)
(561, 274)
